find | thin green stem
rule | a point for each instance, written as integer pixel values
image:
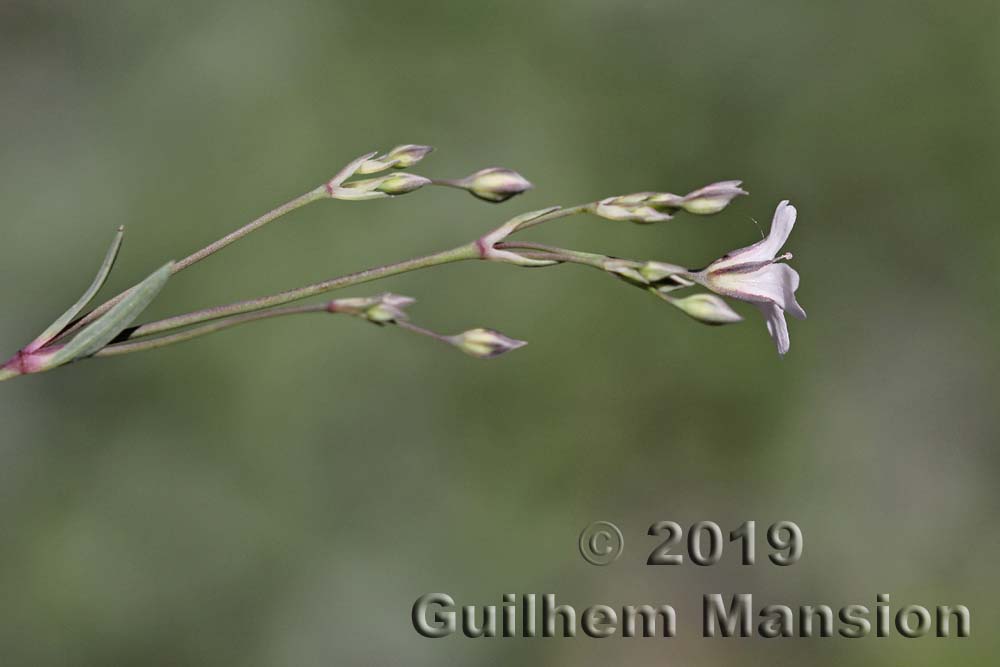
(270, 216)
(6, 374)
(117, 349)
(211, 249)
(448, 183)
(409, 326)
(468, 251)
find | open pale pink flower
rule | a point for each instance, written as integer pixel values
(755, 274)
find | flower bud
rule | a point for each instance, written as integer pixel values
(389, 309)
(382, 309)
(407, 155)
(399, 157)
(383, 186)
(712, 198)
(646, 207)
(626, 270)
(665, 201)
(373, 166)
(625, 208)
(656, 272)
(706, 308)
(484, 343)
(400, 184)
(495, 184)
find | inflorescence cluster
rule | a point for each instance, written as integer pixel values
(754, 274)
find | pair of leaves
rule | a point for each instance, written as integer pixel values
(106, 328)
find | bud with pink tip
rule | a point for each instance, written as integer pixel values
(495, 184)
(708, 200)
(484, 343)
(400, 157)
(381, 187)
(382, 309)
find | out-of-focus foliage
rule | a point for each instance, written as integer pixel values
(281, 494)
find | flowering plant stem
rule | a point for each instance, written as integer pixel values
(468, 251)
(225, 317)
(240, 308)
(211, 249)
(220, 318)
(321, 192)
(108, 329)
(117, 349)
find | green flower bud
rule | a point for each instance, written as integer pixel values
(495, 184)
(400, 184)
(373, 166)
(383, 186)
(399, 157)
(706, 308)
(625, 208)
(407, 155)
(484, 343)
(382, 309)
(389, 309)
(656, 272)
(646, 207)
(626, 270)
(712, 198)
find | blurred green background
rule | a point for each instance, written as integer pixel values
(281, 494)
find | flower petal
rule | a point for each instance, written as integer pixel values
(786, 279)
(765, 249)
(776, 325)
(772, 283)
(791, 284)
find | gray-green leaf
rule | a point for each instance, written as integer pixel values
(102, 275)
(105, 329)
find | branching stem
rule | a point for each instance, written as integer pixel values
(117, 349)
(211, 249)
(468, 251)
(218, 318)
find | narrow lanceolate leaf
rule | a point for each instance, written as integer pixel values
(102, 275)
(106, 329)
